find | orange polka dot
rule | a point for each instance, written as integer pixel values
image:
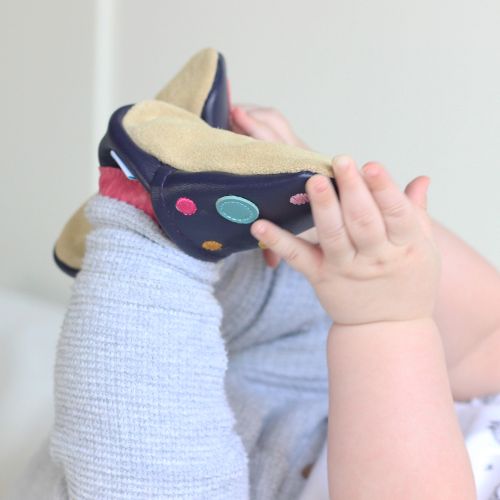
(211, 245)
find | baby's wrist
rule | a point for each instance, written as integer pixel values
(398, 326)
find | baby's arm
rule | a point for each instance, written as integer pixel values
(468, 317)
(141, 410)
(466, 312)
(393, 432)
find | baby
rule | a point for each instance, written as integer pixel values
(178, 378)
(348, 263)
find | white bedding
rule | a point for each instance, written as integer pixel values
(29, 328)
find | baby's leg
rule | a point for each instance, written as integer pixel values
(277, 376)
(279, 395)
(478, 373)
(140, 406)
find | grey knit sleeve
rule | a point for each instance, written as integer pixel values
(140, 406)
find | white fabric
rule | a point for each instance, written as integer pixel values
(480, 423)
(28, 334)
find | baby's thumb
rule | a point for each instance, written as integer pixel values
(417, 191)
(272, 259)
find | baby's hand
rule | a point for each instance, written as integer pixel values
(376, 259)
(265, 124)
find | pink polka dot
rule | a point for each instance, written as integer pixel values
(299, 199)
(186, 206)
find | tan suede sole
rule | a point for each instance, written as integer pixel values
(184, 141)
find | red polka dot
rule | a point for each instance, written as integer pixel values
(299, 199)
(186, 206)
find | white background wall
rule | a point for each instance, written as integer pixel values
(415, 85)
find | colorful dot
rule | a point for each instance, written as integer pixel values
(211, 245)
(186, 206)
(299, 199)
(237, 209)
(262, 245)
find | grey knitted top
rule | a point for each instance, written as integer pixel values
(182, 379)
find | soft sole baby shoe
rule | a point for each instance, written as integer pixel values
(206, 185)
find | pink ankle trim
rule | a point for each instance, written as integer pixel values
(113, 183)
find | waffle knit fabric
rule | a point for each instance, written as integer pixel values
(182, 379)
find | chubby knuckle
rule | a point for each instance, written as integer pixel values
(291, 254)
(274, 241)
(265, 111)
(363, 219)
(380, 264)
(397, 209)
(332, 234)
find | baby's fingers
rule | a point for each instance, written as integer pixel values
(248, 125)
(299, 254)
(398, 212)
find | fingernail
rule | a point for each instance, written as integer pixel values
(371, 170)
(341, 163)
(259, 228)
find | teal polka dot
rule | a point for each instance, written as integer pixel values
(237, 209)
